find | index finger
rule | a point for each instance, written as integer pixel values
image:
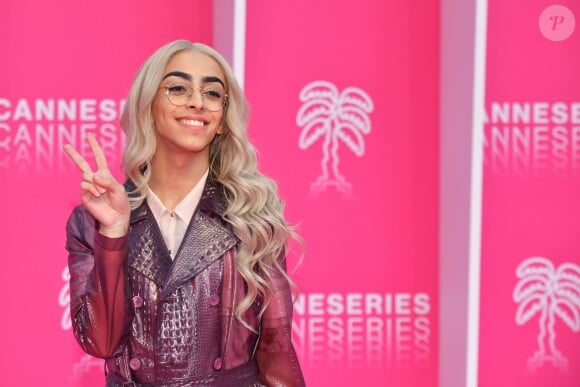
(100, 158)
(79, 160)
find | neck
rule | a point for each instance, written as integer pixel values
(173, 177)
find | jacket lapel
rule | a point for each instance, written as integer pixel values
(147, 253)
(205, 241)
(207, 238)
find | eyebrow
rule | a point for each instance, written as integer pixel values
(189, 78)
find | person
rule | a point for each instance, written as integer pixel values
(178, 276)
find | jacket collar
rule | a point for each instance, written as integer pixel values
(207, 238)
(213, 200)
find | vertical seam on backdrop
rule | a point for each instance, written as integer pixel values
(476, 193)
(239, 54)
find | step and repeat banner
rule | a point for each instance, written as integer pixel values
(66, 69)
(345, 113)
(345, 117)
(530, 278)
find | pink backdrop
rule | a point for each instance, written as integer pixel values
(529, 323)
(368, 311)
(67, 66)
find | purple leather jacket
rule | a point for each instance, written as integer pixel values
(164, 322)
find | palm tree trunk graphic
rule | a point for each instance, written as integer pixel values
(335, 159)
(547, 351)
(326, 152)
(332, 175)
(541, 352)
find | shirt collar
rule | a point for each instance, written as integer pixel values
(185, 208)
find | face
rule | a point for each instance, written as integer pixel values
(188, 127)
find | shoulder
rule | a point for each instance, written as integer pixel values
(213, 198)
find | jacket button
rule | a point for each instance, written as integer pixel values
(217, 364)
(137, 302)
(214, 299)
(135, 364)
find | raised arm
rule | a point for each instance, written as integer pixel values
(96, 243)
(103, 197)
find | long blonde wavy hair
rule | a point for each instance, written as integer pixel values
(254, 209)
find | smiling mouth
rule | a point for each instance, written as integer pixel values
(192, 122)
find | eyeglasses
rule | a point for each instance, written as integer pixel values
(213, 97)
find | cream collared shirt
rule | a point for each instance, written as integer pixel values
(173, 224)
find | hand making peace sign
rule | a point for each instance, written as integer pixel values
(101, 194)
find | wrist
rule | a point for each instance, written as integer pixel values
(114, 231)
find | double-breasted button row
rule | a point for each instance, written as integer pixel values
(213, 300)
(135, 364)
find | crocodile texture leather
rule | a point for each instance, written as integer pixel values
(159, 322)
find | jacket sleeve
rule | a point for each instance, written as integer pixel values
(99, 307)
(275, 354)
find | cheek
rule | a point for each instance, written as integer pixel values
(161, 112)
(218, 118)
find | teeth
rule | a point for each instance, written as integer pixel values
(192, 122)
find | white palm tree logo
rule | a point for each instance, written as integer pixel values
(552, 293)
(335, 117)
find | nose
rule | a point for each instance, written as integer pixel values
(195, 98)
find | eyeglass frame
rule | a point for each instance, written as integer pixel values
(190, 95)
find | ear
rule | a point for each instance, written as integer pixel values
(220, 130)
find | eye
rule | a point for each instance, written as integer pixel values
(212, 94)
(177, 89)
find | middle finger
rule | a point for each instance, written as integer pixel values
(100, 158)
